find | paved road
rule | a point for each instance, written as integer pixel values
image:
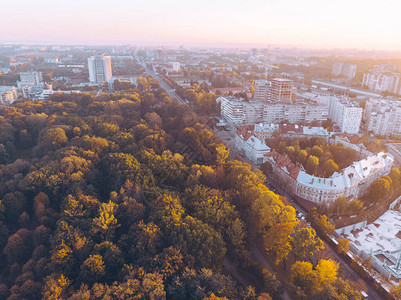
(346, 88)
(171, 92)
(348, 271)
(228, 139)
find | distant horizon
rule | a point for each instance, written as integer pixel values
(176, 44)
(344, 24)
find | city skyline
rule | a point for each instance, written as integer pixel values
(256, 23)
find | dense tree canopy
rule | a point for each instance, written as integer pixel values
(129, 195)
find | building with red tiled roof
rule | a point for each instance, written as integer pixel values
(353, 181)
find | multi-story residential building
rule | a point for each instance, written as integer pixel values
(175, 66)
(383, 117)
(344, 113)
(99, 69)
(232, 109)
(30, 79)
(8, 94)
(386, 68)
(239, 112)
(353, 181)
(262, 90)
(282, 90)
(52, 60)
(252, 147)
(32, 84)
(264, 131)
(383, 82)
(347, 70)
(294, 113)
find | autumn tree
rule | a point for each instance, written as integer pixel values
(54, 138)
(93, 269)
(329, 167)
(106, 222)
(306, 243)
(311, 164)
(303, 279)
(343, 246)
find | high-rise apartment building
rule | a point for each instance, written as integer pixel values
(383, 117)
(347, 70)
(383, 82)
(99, 69)
(282, 90)
(262, 90)
(239, 112)
(344, 113)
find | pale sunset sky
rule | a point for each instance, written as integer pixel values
(367, 24)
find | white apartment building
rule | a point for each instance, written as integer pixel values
(383, 117)
(52, 60)
(264, 131)
(30, 79)
(239, 112)
(347, 70)
(175, 66)
(8, 94)
(252, 147)
(99, 69)
(344, 113)
(294, 113)
(232, 109)
(383, 82)
(262, 90)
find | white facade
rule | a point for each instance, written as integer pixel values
(346, 114)
(294, 113)
(262, 90)
(383, 82)
(8, 94)
(253, 148)
(176, 66)
(347, 70)
(239, 112)
(353, 181)
(383, 117)
(99, 69)
(232, 109)
(30, 79)
(51, 60)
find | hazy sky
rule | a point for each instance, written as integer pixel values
(369, 24)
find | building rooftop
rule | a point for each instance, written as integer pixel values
(382, 234)
(349, 176)
(5, 89)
